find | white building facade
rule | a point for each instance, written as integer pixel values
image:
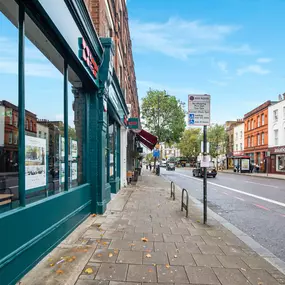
(238, 140)
(276, 136)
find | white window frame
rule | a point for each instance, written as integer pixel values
(262, 138)
(240, 146)
(252, 124)
(262, 120)
(276, 137)
(275, 115)
(252, 140)
(258, 139)
(248, 141)
(10, 139)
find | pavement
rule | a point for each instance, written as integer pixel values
(145, 238)
(260, 175)
(254, 205)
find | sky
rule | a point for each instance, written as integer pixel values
(230, 49)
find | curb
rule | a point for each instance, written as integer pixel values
(249, 175)
(250, 242)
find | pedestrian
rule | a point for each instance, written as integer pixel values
(150, 166)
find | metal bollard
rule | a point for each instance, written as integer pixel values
(183, 205)
(172, 190)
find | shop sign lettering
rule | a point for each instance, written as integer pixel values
(279, 150)
(86, 56)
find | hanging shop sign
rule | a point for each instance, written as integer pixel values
(85, 55)
(133, 123)
(140, 150)
(35, 162)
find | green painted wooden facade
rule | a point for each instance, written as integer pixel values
(30, 231)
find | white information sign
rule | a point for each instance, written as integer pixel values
(205, 161)
(199, 110)
(35, 162)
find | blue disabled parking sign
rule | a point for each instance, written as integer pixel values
(191, 122)
(191, 116)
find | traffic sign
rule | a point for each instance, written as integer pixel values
(199, 110)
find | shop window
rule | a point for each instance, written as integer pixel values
(280, 163)
(262, 120)
(276, 140)
(9, 192)
(262, 138)
(275, 115)
(111, 149)
(45, 115)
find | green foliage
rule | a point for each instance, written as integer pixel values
(149, 158)
(218, 139)
(170, 113)
(190, 143)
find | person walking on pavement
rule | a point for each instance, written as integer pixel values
(150, 166)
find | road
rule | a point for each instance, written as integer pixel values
(254, 205)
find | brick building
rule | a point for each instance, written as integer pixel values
(110, 18)
(256, 134)
(9, 135)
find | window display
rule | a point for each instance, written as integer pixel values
(280, 163)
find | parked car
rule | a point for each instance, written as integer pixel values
(170, 166)
(198, 171)
(163, 163)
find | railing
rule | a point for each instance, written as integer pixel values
(183, 205)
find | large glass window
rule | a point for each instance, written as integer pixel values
(112, 155)
(9, 164)
(280, 163)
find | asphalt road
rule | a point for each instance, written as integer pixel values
(254, 205)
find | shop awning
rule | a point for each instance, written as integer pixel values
(147, 139)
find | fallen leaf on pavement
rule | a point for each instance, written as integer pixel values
(110, 254)
(116, 251)
(148, 255)
(144, 239)
(51, 265)
(59, 271)
(93, 215)
(198, 221)
(50, 259)
(99, 255)
(89, 270)
(105, 243)
(167, 266)
(149, 270)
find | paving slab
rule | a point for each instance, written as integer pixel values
(157, 257)
(232, 262)
(231, 277)
(207, 260)
(202, 275)
(259, 277)
(181, 258)
(92, 282)
(142, 273)
(210, 249)
(172, 238)
(104, 255)
(173, 274)
(188, 247)
(116, 272)
(130, 257)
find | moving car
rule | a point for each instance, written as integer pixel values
(198, 171)
(170, 165)
(163, 163)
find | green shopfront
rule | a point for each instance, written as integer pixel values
(62, 116)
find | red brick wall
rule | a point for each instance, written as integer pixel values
(122, 40)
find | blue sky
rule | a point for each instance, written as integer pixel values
(231, 49)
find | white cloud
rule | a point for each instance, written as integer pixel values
(223, 66)
(219, 83)
(179, 38)
(254, 68)
(143, 87)
(263, 60)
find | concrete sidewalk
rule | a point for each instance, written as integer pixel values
(260, 175)
(145, 238)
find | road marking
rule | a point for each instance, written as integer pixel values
(239, 198)
(240, 192)
(267, 185)
(261, 207)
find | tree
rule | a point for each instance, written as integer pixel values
(217, 137)
(163, 116)
(190, 143)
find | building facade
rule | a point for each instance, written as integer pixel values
(87, 142)
(276, 136)
(238, 145)
(256, 134)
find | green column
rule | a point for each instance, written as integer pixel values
(65, 105)
(21, 105)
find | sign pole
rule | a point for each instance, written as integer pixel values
(205, 177)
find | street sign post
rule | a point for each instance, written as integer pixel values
(199, 114)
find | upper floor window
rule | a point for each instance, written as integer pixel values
(236, 147)
(252, 140)
(262, 138)
(236, 135)
(240, 147)
(31, 125)
(252, 124)
(276, 137)
(258, 121)
(27, 124)
(240, 134)
(10, 138)
(40, 134)
(262, 120)
(248, 125)
(248, 141)
(275, 115)
(16, 121)
(258, 139)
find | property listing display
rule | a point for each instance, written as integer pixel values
(74, 155)
(35, 162)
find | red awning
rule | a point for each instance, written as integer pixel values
(148, 136)
(147, 139)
